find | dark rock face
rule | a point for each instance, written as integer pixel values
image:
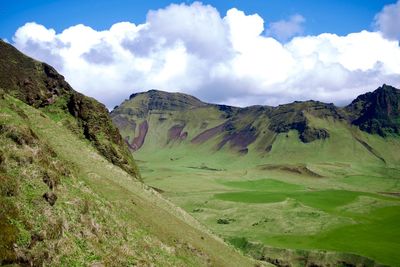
(31, 81)
(311, 134)
(94, 119)
(39, 85)
(292, 117)
(228, 111)
(240, 139)
(377, 112)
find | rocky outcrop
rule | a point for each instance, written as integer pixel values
(293, 117)
(311, 134)
(39, 85)
(377, 112)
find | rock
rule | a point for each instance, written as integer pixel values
(50, 197)
(311, 134)
(377, 112)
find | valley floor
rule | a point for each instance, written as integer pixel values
(318, 207)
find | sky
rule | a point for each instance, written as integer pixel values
(240, 53)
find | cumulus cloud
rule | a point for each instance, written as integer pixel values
(224, 59)
(388, 21)
(283, 30)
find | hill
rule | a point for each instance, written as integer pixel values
(156, 119)
(39, 85)
(70, 193)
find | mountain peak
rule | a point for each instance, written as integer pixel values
(159, 100)
(389, 88)
(377, 111)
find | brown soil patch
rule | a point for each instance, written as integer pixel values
(175, 133)
(208, 134)
(240, 140)
(139, 140)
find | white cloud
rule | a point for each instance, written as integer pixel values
(388, 21)
(283, 30)
(192, 49)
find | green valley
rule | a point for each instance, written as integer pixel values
(200, 133)
(295, 185)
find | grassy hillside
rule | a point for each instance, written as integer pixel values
(63, 204)
(39, 85)
(284, 184)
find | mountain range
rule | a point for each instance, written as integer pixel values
(176, 119)
(284, 184)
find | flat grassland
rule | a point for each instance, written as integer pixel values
(321, 206)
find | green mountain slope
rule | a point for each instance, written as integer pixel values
(69, 193)
(300, 132)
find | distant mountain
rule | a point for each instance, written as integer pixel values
(155, 120)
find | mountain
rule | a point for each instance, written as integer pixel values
(377, 112)
(155, 119)
(301, 184)
(70, 191)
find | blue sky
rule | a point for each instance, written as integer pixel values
(334, 16)
(232, 52)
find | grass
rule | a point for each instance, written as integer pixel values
(375, 237)
(344, 211)
(102, 214)
(326, 200)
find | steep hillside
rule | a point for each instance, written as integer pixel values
(39, 85)
(68, 193)
(377, 112)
